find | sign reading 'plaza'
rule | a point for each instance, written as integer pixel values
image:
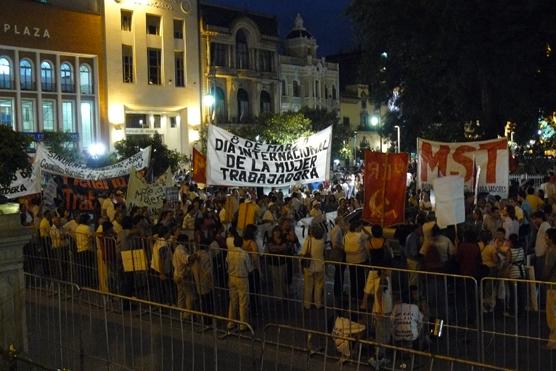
(28, 31)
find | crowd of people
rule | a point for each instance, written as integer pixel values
(222, 237)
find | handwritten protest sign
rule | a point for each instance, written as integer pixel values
(236, 161)
(142, 194)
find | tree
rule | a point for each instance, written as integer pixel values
(279, 128)
(454, 62)
(62, 144)
(322, 118)
(13, 154)
(161, 156)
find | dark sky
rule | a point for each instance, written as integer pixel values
(325, 19)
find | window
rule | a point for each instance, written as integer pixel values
(284, 88)
(126, 17)
(155, 121)
(242, 51)
(178, 29)
(153, 57)
(218, 55)
(87, 123)
(266, 60)
(127, 63)
(85, 79)
(326, 92)
(317, 89)
(5, 73)
(242, 105)
(136, 121)
(47, 76)
(26, 74)
(296, 89)
(334, 92)
(363, 103)
(219, 105)
(7, 112)
(364, 119)
(266, 102)
(173, 122)
(48, 115)
(345, 121)
(68, 116)
(179, 69)
(66, 77)
(28, 115)
(153, 24)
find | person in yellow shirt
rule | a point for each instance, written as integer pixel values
(535, 201)
(84, 257)
(44, 235)
(490, 260)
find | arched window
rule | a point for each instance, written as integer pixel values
(5, 73)
(242, 50)
(284, 88)
(26, 74)
(296, 89)
(334, 92)
(266, 102)
(47, 76)
(242, 105)
(219, 105)
(85, 79)
(317, 89)
(66, 77)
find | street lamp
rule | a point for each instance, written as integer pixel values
(96, 150)
(398, 132)
(374, 120)
(208, 101)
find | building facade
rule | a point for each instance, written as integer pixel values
(51, 69)
(153, 79)
(239, 58)
(305, 79)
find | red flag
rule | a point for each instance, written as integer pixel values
(199, 167)
(385, 185)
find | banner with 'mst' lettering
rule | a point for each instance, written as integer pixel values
(437, 159)
(236, 161)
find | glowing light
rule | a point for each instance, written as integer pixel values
(374, 120)
(208, 100)
(96, 150)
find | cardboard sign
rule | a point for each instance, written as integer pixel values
(450, 200)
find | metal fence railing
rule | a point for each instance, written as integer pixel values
(277, 294)
(82, 328)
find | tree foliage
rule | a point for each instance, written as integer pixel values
(61, 144)
(13, 154)
(279, 128)
(458, 61)
(161, 156)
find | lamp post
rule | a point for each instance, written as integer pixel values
(355, 148)
(398, 133)
(375, 121)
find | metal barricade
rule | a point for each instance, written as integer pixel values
(515, 330)
(291, 348)
(87, 327)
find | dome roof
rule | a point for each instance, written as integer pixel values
(299, 33)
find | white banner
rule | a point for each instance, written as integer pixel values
(54, 164)
(235, 161)
(450, 200)
(437, 159)
(24, 184)
(141, 194)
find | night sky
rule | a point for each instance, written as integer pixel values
(324, 19)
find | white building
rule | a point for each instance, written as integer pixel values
(152, 62)
(240, 64)
(306, 80)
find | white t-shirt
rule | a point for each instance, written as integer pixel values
(407, 321)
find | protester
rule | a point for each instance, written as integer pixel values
(550, 276)
(239, 266)
(313, 268)
(355, 246)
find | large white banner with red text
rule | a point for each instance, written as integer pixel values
(437, 159)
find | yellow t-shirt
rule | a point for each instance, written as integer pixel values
(44, 228)
(488, 255)
(83, 237)
(535, 202)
